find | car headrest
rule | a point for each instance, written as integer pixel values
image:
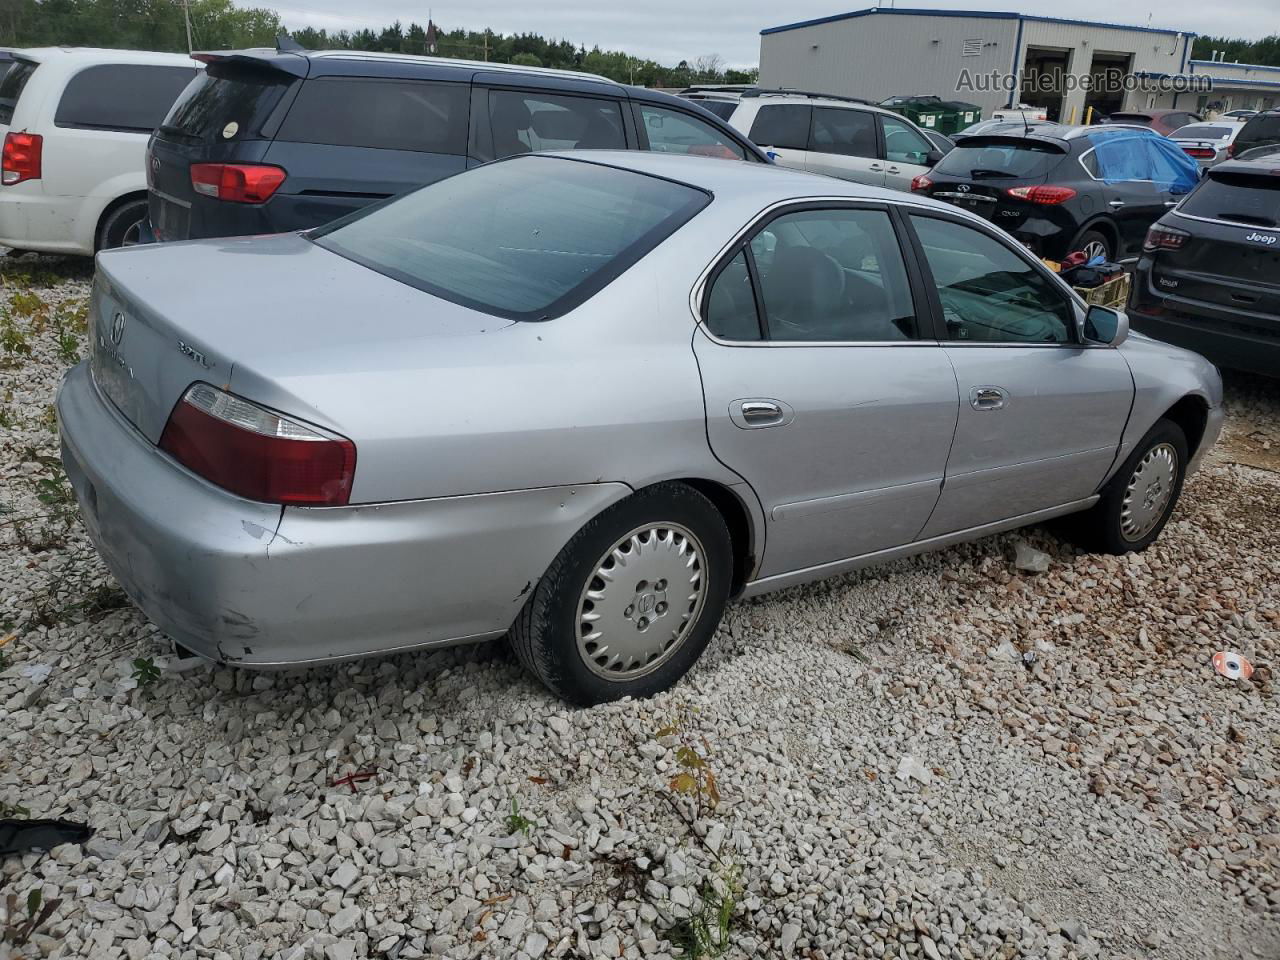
(804, 283)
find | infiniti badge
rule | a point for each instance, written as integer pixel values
(962, 187)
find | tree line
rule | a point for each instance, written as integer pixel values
(218, 25)
(1265, 51)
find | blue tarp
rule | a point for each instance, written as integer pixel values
(1143, 155)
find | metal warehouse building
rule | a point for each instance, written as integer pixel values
(998, 59)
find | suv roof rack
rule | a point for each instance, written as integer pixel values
(768, 92)
(716, 88)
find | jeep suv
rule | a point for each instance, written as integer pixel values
(270, 141)
(1209, 276)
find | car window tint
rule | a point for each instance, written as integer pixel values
(225, 101)
(12, 85)
(1089, 161)
(527, 122)
(1000, 158)
(121, 96)
(903, 144)
(782, 125)
(1237, 198)
(1258, 131)
(671, 131)
(833, 275)
(721, 108)
(851, 133)
(989, 293)
(731, 304)
(425, 117)
(528, 239)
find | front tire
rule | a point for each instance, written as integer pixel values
(1137, 502)
(629, 604)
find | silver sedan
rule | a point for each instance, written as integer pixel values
(587, 399)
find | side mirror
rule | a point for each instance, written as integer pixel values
(932, 157)
(1104, 325)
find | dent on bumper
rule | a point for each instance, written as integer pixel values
(258, 585)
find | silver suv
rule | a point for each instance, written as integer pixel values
(837, 136)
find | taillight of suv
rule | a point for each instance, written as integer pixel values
(256, 453)
(1164, 238)
(1044, 195)
(237, 182)
(21, 158)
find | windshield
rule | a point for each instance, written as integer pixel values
(1021, 160)
(526, 239)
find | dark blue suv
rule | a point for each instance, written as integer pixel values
(271, 141)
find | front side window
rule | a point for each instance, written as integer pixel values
(121, 96)
(903, 144)
(528, 239)
(783, 125)
(989, 294)
(384, 114)
(671, 131)
(851, 133)
(525, 122)
(831, 275)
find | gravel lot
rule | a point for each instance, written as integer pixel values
(895, 779)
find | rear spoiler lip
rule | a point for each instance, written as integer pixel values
(977, 140)
(284, 62)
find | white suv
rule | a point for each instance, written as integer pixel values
(838, 136)
(75, 124)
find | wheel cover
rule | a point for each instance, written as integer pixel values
(1094, 248)
(1149, 492)
(641, 601)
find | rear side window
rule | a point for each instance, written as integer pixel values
(999, 159)
(527, 239)
(227, 101)
(121, 96)
(1257, 132)
(851, 133)
(1238, 198)
(527, 122)
(782, 125)
(11, 87)
(384, 114)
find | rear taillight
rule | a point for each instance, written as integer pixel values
(921, 182)
(1047, 196)
(257, 454)
(1200, 153)
(1164, 238)
(236, 182)
(21, 159)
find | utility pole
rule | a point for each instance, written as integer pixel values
(186, 13)
(486, 45)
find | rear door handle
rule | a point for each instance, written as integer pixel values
(1172, 203)
(1115, 203)
(763, 412)
(987, 398)
(876, 167)
(892, 170)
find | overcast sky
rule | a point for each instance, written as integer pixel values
(672, 30)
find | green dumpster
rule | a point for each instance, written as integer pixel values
(934, 113)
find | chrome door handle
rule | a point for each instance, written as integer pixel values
(1115, 203)
(892, 170)
(759, 413)
(1172, 203)
(986, 398)
(876, 167)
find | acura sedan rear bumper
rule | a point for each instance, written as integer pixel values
(259, 585)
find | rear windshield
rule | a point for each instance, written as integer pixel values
(721, 108)
(227, 101)
(11, 87)
(121, 96)
(1238, 198)
(1256, 132)
(385, 114)
(1203, 131)
(999, 159)
(527, 239)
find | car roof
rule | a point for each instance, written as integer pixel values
(101, 55)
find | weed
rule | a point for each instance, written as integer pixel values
(27, 303)
(695, 779)
(517, 822)
(19, 933)
(145, 671)
(13, 341)
(705, 934)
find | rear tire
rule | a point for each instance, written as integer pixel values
(1095, 241)
(1138, 501)
(120, 227)
(629, 604)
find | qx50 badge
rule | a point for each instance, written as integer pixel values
(1261, 238)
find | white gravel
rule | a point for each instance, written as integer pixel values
(954, 756)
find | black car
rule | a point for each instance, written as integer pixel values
(271, 141)
(1066, 189)
(1209, 276)
(1260, 130)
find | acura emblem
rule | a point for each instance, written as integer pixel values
(117, 327)
(962, 187)
(155, 164)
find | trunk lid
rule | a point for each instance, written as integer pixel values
(163, 316)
